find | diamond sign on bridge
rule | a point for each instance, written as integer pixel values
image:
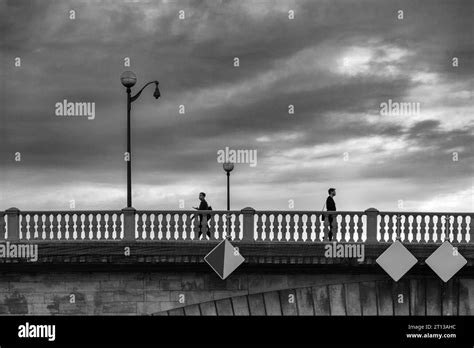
(446, 261)
(224, 259)
(396, 260)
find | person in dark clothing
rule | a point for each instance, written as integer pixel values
(331, 206)
(203, 206)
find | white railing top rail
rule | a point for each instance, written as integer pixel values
(181, 211)
(73, 211)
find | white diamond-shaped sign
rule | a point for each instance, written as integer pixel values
(396, 260)
(224, 259)
(446, 261)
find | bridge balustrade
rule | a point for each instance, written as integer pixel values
(249, 225)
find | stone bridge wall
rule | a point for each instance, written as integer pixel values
(243, 293)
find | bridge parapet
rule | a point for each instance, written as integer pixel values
(369, 226)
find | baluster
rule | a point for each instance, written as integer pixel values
(471, 229)
(317, 228)
(205, 227)
(423, 231)
(70, 227)
(285, 235)
(147, 226)
(291, 229)
(167, 226)
(118, 226)
(54, 228)
(406, 228)
(237, 227)
(41, 226)
(180, 226)
(325, 229)
(211, 223)
(430, 230)
(172, 224)
(48, 229)
(158, 226)
(67, 228)
(102, 226)
(86, 223)
(416, 230)
(398, 232)
(196, 227)
(383, 232)
(270, 235)
(38, 233)
(186, 226)
(223, 225)
(302, 236)
(348, 230)
(360, 228)
(220, 225)
(448, 228)
(443, 228)
(94, 228)
(335, 228)
(229, 224)
(439, 228)
(292, 225)
(344, 228)
(2, 226)
(139, 224)
(79, 226)
(23, 227)
(61, 227)
(455, 229)
(31, 226)
(309, 227)
(232, 223)
(463, 228)
(260, 235)
(391, 230)
(401, 224)
(276, 227)
(113, 226)
(110, 226)
(153, 226)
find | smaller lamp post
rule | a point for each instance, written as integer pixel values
(228, 167)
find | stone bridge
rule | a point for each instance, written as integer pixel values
(151, 263)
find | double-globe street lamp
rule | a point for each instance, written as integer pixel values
(129, 79)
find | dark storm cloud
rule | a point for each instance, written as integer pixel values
(336, 62)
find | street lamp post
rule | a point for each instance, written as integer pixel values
(129, 79)
(228, 167)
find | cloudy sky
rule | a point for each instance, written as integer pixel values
(336, 62)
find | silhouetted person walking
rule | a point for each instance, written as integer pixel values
(203, 206)
(331, 206)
